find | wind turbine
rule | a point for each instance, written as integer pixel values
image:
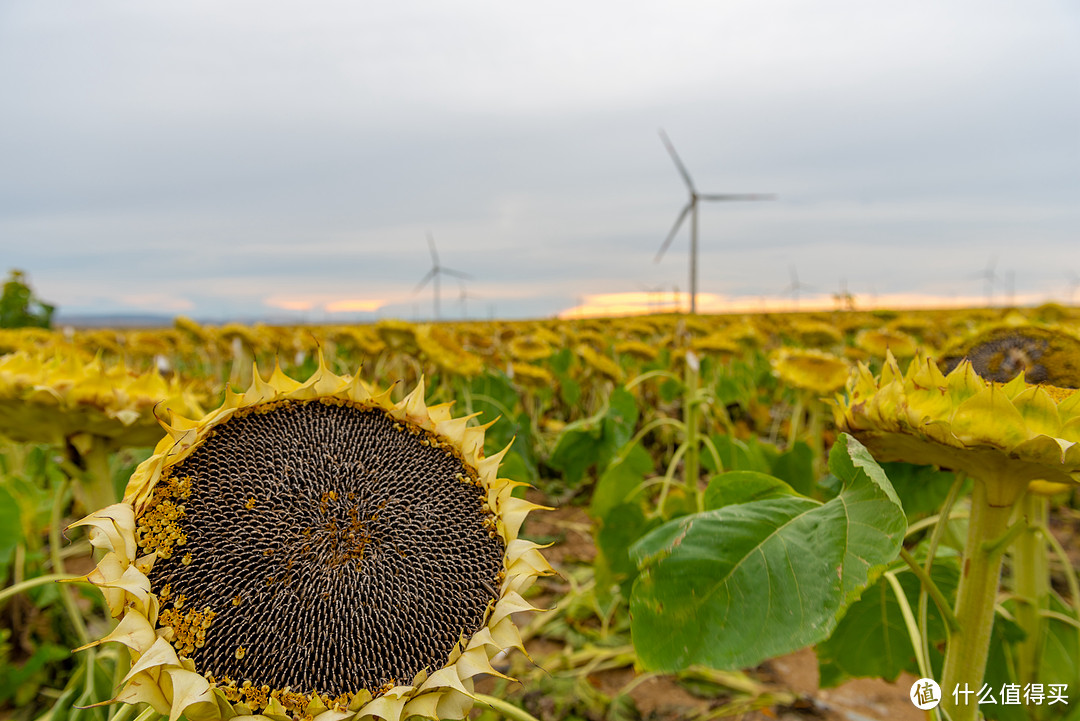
(1074, 283)
(463, 296)
(795, 286)
(436, 271)
(989, 277)
(843, 298)
(691, 209)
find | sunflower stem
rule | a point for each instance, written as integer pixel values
(796, 420)
(965, 659)
(692, 459)
(1031, 585)
(507, 709)
(90, 468)
(815, 410)
(58, 565)
(931, 552)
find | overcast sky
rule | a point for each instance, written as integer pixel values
(262, 158)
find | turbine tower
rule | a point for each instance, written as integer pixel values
(435, 272)
(795, 286)
(691, 209)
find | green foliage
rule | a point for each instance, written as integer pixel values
(872, 640)
(592, 442)
(796, 467)
(19, 308)
(621, 480)
(494, 397)
(739, 455)
(730, 587)
(922, 489)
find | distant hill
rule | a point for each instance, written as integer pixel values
(127, 320)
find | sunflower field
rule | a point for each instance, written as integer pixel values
(654, 517)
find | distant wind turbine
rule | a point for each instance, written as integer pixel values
(1074, 283)
(795, 286)
(435, 272)
(843, 298)
(463, 297)
(691, 209)
(1010, 289)
(989, 277)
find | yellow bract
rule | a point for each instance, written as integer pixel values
(171, 683)
(1002, 433)
(50, 398)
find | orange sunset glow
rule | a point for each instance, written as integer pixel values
(638, 303)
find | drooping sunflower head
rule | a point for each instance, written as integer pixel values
(310, 548)
(1043, 354)
(810, 369)
(53, 397)
(1006, 434)
(876, 341)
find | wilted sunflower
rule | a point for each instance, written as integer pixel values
(314, 550)
(1002, 435)
(49, 398)
(809, 369)
(1043, 354)
(442, 349)
(876, 341)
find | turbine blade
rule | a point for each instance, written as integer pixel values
(455, 273)
(431, 247)
(737, 196)
(678, 163)
(427, 278)
(674, 230)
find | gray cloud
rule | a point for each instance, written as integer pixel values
(220, 155)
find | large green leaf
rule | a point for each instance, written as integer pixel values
(731, 587)
(733, 487)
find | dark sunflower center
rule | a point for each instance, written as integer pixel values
(323, 548)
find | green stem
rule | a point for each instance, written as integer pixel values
(34, 583)
(669, 478)
(796, 420)
(816, 410)
(58, 565)
(909, 622)
(938, 533)
(965, 659)
(95, 486)
(931, 588)
(507, 709)
(692, 460)
(1070, 579)
(1031, 585)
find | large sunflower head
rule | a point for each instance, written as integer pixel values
(1005, 434)
(314, 548)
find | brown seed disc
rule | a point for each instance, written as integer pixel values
(337, 549)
